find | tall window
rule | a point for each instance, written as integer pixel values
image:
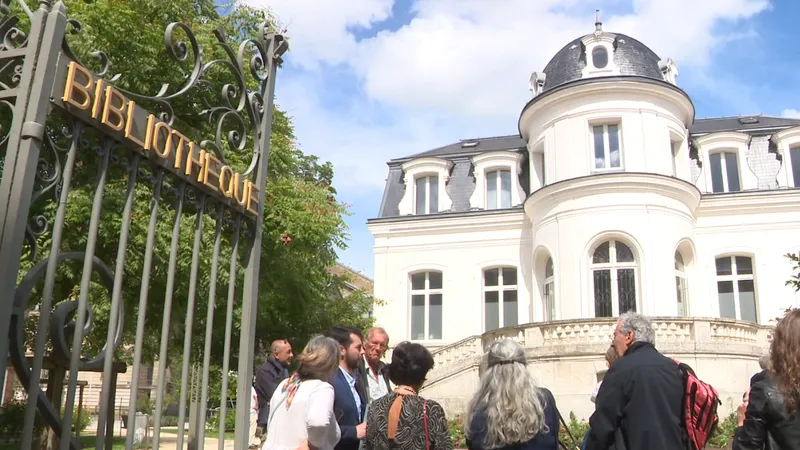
(426, 306)
(681, 286)
(724, 172)
(498, 189)
(500, 297)
(607, 154)
(549, 291)
(736, 288)
(427, 195)
(794, 156)
(614, 279)
(675, 146)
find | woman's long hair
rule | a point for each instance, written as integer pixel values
(508, 398)
(785, 358)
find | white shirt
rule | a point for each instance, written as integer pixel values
(309, 417)
(253, 401)
(596, 391)
(377, 384)
(352, 382)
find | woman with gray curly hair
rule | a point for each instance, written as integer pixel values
(510, 410)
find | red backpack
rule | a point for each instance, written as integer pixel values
(699, 408)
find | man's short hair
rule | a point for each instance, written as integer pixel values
(379, 330)
(276, 345)
(641, 326)
(342, 335)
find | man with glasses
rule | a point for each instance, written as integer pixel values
(372, 370)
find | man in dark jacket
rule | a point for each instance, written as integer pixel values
(350, 399)
(371, 370)
(764, 374)
(639, 403)
(270, 375)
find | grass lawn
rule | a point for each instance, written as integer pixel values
(229, 435)
(87, 441)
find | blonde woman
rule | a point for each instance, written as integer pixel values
(509, 410)
(301, 409)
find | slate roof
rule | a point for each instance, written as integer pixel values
(465, 147)
(741, 123)
(631, 56)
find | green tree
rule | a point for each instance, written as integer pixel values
(303, 226)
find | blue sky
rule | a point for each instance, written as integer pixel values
(370, 80)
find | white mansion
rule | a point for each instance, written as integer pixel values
(612, 197)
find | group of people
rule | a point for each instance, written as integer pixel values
(343, 397)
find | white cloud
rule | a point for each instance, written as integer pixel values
(792, 113)
(319, 30)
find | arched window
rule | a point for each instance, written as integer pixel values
(736, 288)
(680, 285)
(613, 267)
(549, 291)
(426, 306)
(600, 57)
(500, 297)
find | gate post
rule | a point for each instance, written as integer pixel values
(275, 47)
(17, 178)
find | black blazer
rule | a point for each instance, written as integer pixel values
(344, 408)
(767, 424)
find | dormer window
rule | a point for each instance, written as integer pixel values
(426, 187)
(426, 195)
(600, 57)
(724, 172)
(497, 183)
(498, 189)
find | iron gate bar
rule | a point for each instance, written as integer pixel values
(158, 178)
(83, 298)
(165, 324)
(49, 283)
(228, 330)
(22, 153)
(187, 332)
(212, 294)
(275, 46)
(116, 296)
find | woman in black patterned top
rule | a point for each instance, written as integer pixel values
(402, 419)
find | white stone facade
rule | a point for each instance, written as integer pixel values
(701, 222)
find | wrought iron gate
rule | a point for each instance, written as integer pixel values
(69, 136)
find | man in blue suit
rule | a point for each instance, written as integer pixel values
(349, 401)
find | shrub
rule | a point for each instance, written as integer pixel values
(12, 419)
(577, 428)
(723, 435)
(456, 428)
(212, 424)
(86, 418)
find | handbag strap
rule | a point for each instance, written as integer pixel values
(425, 424)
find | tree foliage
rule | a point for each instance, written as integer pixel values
(303, 223)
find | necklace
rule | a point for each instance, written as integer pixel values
(405, 390)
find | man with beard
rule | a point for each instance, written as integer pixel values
(270, 375)
(350, 400)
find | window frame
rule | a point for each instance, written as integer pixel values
(500, 289)
(734, 278)
(549, 291)
(499, 187)
(613, 266)
(428, 178)
(426, 292)
(723, 167)
(606, 147)
(681, 285)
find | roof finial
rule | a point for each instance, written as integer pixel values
(598, 25)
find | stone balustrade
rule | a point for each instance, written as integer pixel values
(558, 339)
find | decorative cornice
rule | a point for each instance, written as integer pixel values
(617, 182)
(421, 164)
(493, 220)
(722, 139)
(749, 202)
